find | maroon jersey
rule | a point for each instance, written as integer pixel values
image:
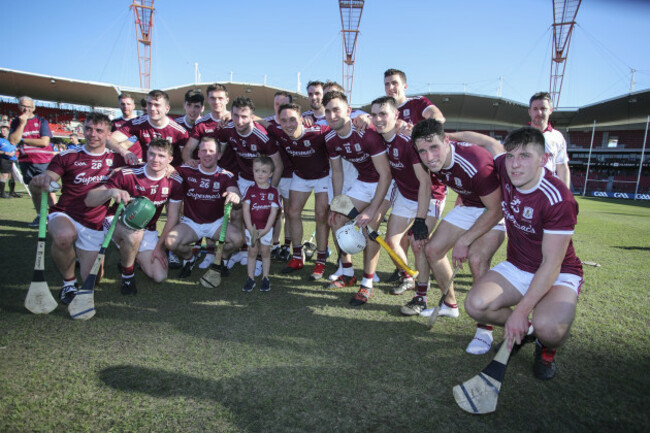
(402, 157)
(320, 120)
(261, 201)
(36, 127)
(137, 183)
(203, 192)
(412, 110)
(247, 148)
(357, 148)
(287, 165)
(471, 173)
(142, 128)
(81, 172)
(182, 120)
(205, 126)
(118, 123)
(307, 153)
(549, 207)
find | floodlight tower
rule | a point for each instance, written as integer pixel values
(143, 14)
(564, 18)
(350, 19)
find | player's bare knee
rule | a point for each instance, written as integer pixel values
(171, 243)
(549, 330)
(65, 240)
(434, 251)
(475, 305)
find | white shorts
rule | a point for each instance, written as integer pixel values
(465, 217)
(87, 239)
(403, 207)
(284, 186)
(350, 173)
(206, 230)
(362, 191)
(243, 185)
(149, 240)
(267, 239)
(390, 194)
(522, 279)
(324, 184)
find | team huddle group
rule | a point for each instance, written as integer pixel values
(396, 158)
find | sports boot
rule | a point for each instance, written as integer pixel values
(544, 367)
(414, 307)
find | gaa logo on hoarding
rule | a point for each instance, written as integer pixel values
(599, 194)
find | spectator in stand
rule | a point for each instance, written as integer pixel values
(31, 134)
(7, 159)
(74, 141)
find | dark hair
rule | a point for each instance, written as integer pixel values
(243, 102)
(524, 136)
(315, 83)
(194, 95)
(428, 128)
(385, 100)
(162, 144)
(265, 160)
(290, 106)
(209, 138)
(216, 87)
(391, 71)
(333, 85)
(97, 118)
(283, 93)
(125, 95)
(540, 95)
(157, 94)
(333, 94)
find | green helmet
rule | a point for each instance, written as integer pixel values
(138, 213)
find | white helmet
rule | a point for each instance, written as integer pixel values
(350, 239)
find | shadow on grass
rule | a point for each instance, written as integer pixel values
(633, 248)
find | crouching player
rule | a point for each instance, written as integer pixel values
(206, 189)
(76, 229)
(261, 207)
(542, 274)
(150, 180)
(473, 230)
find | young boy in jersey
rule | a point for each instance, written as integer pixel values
(542, 275)
(261, 205)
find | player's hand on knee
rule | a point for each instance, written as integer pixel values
(160, 255)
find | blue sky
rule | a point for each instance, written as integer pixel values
(443, 46)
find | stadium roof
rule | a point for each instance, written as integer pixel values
(93, 94)
(462, 110)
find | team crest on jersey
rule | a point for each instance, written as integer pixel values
(254, 147)
(270, 196)
(216, 185)
(528, 212)
(395, 152)
(307, 143)
(165, 190)
(109, 162)
(357, 147)
(458, 182)
(407, 112)
(169, 139)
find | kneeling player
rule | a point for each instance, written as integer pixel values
(150, 180)
(541, 274)
(74, 227)
(206, 189)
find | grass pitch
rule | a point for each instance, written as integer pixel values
(178, 357)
